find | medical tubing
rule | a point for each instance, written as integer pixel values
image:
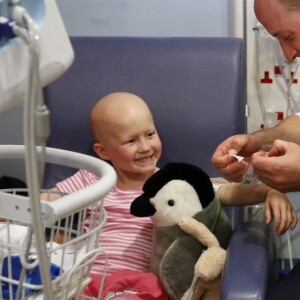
(279, 60)
(103, 274)
(41, 112)
(257, 80)
(288, 95)
(288, 82)
(20, 16)
(192, 288)
(296, 105)
(24, 262)
(288, 237)
(31, 156)
(26, 243)
(22, 33)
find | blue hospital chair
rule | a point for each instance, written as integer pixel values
(195, 88)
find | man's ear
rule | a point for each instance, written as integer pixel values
(100, 151)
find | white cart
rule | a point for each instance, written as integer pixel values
(66, 249)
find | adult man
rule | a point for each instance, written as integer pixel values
(280, 168)
(274, 152)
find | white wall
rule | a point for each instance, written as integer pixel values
(144, 17)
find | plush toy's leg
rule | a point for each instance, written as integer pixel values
(210, 264)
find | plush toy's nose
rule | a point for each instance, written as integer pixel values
(141, 207)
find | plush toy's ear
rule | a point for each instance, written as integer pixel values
(194, 175)
(141, 207)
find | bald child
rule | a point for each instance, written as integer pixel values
(126, 136)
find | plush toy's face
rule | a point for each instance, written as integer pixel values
(173, 201)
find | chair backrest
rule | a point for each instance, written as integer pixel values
(194, 87)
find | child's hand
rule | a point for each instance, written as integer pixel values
(278, 205)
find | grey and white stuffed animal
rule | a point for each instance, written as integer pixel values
(175, 192)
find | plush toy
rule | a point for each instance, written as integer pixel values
(209, 267)
(189, 226)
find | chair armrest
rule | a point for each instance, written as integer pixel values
(247, 268)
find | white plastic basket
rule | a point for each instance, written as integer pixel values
(71, 243)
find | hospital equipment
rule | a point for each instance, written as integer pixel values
(34, 51)
(272, 82)
(72, 257)
(56, 53)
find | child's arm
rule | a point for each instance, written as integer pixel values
(52, 195)
(276, 203)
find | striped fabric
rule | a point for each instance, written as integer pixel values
(125, 239)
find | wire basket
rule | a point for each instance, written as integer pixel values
(72, 225)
